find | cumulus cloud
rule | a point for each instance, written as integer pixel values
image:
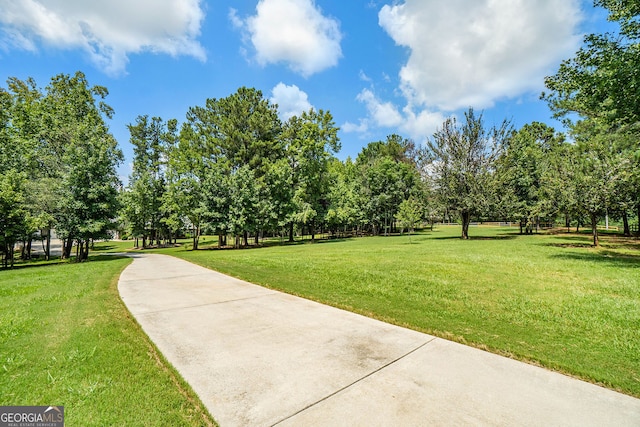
(362, 127)
(466, 53)
(380, 114)
(384, 114)
(294, 32)
(471, 53)
(290, 99)
(107, 31)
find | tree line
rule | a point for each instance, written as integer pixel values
(233, 168)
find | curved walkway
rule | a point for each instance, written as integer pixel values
(258, 357)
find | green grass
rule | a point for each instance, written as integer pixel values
(67, 339)
(551, 300)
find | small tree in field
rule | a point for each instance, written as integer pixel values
(409, 214)
(462, 163)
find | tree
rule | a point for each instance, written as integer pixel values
(597, 171)
(229, 133)
(601, 81)
(462, 163)
(395, 147)
(389, 176)
(279, 183)
(23, 153)
(151, 140)
(309, 141)
(82, 156)
(244, 204)
(346, 201)
(410, 213)
(558, 190)
(13, 212)
(244, 128)
(386, 184)
(520, 168)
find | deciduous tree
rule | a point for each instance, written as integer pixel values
(463, 162)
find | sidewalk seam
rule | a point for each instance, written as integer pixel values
(353, 383)
(204, 305)
(137, 279)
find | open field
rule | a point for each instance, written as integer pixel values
(552, 300)
(67, 339)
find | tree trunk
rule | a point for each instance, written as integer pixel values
(245, 238)
(257, 240)
(521, 225)
(567, 222)
(82, 250)
(386, 224)
(313, 231)
(196, 237)
(466, 219)
(594, 228)
(26, 250)
(47, 250)
(291, 231)
(10, 254)
(625, 221)
(67, 246)
(638, 230)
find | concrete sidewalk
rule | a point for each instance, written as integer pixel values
(257, 357)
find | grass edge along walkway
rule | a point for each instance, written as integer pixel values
(66, 338)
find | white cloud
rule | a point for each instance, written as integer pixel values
(472, 53)
(290, 99)
(294, 32)
(107, 31)
(363, 76)
(361, 127)
(417, 125)
(423, 124)
(384, 114)
(236, 21)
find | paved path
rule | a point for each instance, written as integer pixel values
(257, 357)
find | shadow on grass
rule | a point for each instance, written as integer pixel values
(496, 237)
(570, 245)
(273, 243)
(604, 257)
(103, 248)
(277, 243)
(586, 241)
(21, 265)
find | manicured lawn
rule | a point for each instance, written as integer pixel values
(548, 299)
(67, 339)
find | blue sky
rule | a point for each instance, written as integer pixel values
(380, 67)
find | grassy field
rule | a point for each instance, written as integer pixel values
(67, 339)
(552, 300)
